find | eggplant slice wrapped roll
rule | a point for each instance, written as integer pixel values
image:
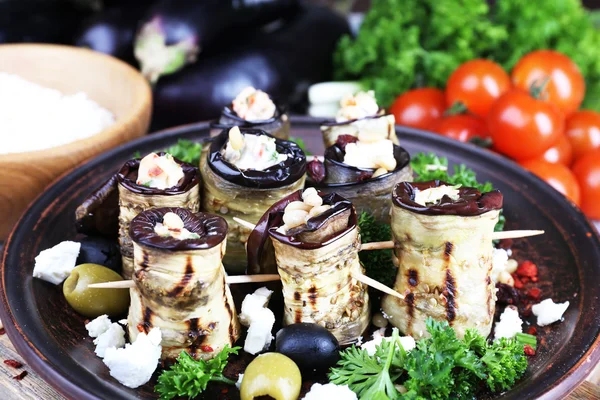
(180, 282)
(316, 243)
(254, 108)
(364, 173)
(158, 180)
(244, 173)
(443, 251)
(361, 117)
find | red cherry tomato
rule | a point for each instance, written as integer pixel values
(583, 131)
(565, 86)
(556, 175)
(522, 127)
(587, 171)
(419, 108)
(460, 127)
(560, 153)
(477, 84)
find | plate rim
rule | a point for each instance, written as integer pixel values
(59, 381)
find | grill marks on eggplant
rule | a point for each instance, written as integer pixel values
(147, 321)
(231, 328)
(145, 260)
(413, 277)
(185, 280)
(450, 285)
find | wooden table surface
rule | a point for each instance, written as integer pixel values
(32, 387)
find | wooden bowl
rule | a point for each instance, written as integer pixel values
(110, 82)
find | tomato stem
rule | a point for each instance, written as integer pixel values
(456, 109)
(538, 91)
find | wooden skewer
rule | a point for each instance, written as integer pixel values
(376, 284)
(377, 245)
(230, 280)
(515, 234)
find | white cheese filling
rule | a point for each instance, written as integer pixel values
(253, 105)
(548, 312)
(330, 391)
(298, 212)
(257, 152)
(360, 105)
(379, 154)
(435, 194)
(509, 325)
(160, 172)
(259, 319)
(172, 226)
(134, 364)
(55, 264)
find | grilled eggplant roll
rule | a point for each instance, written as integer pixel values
(254, 109)
(361, 117)
(180, 282)
(443, 251)
(316, 242)
(244, 173)
(158, 180)
(366, 175)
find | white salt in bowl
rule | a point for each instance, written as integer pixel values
(111, 83)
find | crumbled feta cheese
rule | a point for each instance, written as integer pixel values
(258, 152)
(509, 325)
(548, 312)
(253, 105)
(134, 365)
(98, 326)
(172, 226)
(361, 105)
(114, 336)
(330, 391)
(238, 384)
(122, 321)
(378, 154)
(160, 172)
(435, 194)
(252, 303)
(407, 342)
(55, 264)
(259, 319)
(499, 264)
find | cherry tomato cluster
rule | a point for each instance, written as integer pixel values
(531, 116)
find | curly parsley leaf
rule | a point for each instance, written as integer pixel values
(301, 144)
(189, 377)
(186, 150)
(378, 264)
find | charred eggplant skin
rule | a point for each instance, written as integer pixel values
(99, 212)
(470, 203)
(282, 174)
(277, 126)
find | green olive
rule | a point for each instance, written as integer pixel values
(271, 374)
(95, 302)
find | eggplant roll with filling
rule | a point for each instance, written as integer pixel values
(180, 282)
(367, 188)
(316, 260)
(243, 178)
(443, 251)
(254, 109)
(137, 197)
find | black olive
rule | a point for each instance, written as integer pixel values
(99, 250)
(312, 347)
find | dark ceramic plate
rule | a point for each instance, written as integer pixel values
(52, 338)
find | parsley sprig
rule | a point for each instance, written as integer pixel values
(184, 150)
(189, 377)
(378, 264)
(439, 367)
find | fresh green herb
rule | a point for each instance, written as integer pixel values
(404, 44)
(137, 154)
(525, 338)
(378, 264)
(147, 184)
(301, 144)
(189, 377)
(439, 367)
(411, 43)
(186, 150)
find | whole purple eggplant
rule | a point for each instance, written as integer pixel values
(174, 32)
(282, 62)
(112, 31)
